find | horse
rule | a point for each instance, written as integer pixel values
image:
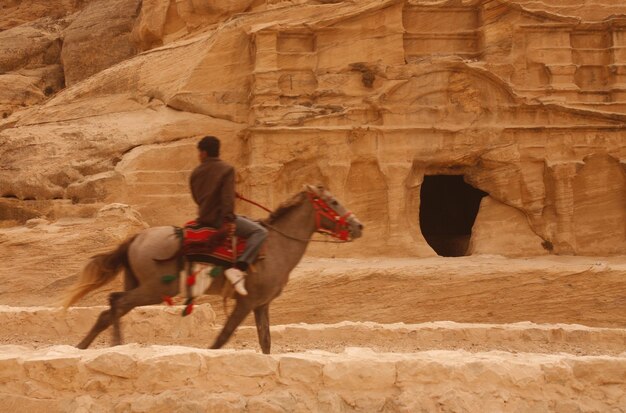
(290, 228)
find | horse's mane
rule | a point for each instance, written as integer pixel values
(283, 208)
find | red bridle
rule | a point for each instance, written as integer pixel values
(340, 229)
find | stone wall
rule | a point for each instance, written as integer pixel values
(182, 379)
(435, 366)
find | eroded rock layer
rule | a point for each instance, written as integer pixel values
(182, 379)
(340, 367)
(450, 127)
(40, 327)
(523, 100)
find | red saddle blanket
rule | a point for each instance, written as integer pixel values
(205, 243)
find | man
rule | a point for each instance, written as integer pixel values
(213, 189)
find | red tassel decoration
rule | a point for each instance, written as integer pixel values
(188, 309)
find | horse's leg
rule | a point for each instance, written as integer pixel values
(130, 283)
(240, 312)
(104, 320)
(262, 319)
(122, 303)
(114, 317)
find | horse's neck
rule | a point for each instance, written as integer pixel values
(292, 234)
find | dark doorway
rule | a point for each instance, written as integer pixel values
(448, 208)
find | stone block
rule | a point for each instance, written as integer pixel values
(300, 370)
(50, 372)
(359, 375)
(114, 364)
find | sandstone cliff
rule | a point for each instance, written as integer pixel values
(380, 100)
(450, 127)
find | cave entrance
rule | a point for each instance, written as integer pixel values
(448, 209)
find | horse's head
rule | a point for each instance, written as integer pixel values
(331, 217)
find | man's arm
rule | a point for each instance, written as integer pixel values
(228, 196)
(192, 188)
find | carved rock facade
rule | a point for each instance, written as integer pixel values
(455, 127)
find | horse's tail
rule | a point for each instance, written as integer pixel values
(99, 271)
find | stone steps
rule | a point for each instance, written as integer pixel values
(349, 367)
(164, 325)
(182, 379)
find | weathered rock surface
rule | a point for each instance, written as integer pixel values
(482, 288)
(30, 67)
(181, 379)
(150, 325)
(18, 12)
(495, 218)
(44, 257)
(449, 127)
(523, 99)
(164, 21)
(43, 326)
(98, 38)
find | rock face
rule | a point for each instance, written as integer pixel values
(523, 101)
(163, 21)
(18, 12)
(93, 43)
(29, 64)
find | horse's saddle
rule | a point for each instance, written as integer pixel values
(206, 244)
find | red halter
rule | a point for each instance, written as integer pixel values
(322, 209)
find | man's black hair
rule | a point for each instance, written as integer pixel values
(210, 145)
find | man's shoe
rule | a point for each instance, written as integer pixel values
(237, 279)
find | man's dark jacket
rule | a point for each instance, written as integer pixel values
(213, 189)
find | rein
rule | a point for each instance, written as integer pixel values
(321, 210)
(273, 228)
(253, 203)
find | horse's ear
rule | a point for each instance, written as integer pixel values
(316, 189)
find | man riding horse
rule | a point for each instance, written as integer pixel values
(148, 258)
(213, 189)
